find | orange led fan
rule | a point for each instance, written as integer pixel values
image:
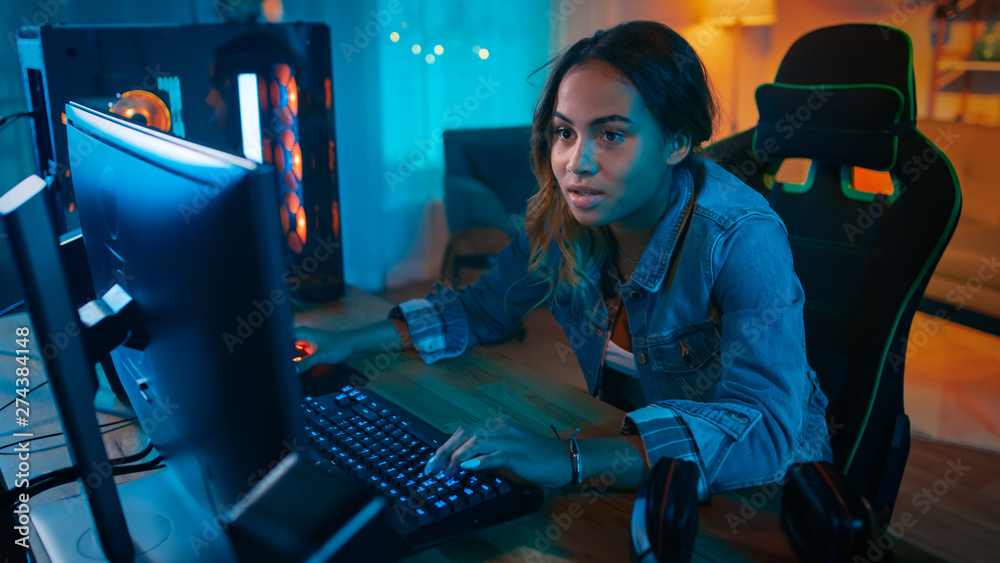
(283, 94)
(145, 104)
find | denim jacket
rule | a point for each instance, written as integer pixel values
(720, 347)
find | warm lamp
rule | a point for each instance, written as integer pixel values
(738, 14)
(741, 12)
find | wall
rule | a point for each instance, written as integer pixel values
(395, 232)
(391, 105)
(755, 59)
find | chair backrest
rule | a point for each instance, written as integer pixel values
(843, 97)
(488, 177)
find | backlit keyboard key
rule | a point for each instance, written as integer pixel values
(364, 436)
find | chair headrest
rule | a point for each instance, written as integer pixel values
(842, 93)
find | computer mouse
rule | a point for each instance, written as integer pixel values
(302, 349)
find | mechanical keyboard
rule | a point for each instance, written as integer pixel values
(386, 447)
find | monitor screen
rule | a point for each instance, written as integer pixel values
(192, 233)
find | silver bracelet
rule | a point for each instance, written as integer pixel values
(574, 454)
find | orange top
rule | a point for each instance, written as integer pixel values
(620, 333)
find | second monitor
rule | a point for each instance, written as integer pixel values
(214, 386)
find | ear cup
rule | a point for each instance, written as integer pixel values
(824, 517)
(665, 513)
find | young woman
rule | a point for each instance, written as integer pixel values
(672, 278)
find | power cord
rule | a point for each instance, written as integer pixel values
(30, 391)
(8, 119)
(11, 496)
(125, 422)
(13, 307)
(119, 466)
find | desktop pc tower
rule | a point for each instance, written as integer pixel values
(259, 91)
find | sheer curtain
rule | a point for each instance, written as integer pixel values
(404, 71)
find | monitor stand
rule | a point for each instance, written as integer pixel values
(154, 515)
(165, 523)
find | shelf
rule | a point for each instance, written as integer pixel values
(950, 61)
(954, 68)
(990, 66)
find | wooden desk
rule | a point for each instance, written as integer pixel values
(590, 523)
(586, 524)
(50, 454)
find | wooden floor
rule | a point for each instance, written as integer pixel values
(949, 501)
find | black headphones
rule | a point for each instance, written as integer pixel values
(825, 518)
(665, 513)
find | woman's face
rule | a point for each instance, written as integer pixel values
(611, 159)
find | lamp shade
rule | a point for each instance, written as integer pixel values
(744, 12)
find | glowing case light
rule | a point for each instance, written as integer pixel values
(250, 117)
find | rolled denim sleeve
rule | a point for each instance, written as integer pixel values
(423, 323)
(447, 322)
(704, 433)
(665, 434)
(437, 331)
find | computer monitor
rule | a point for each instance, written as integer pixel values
(193, 235)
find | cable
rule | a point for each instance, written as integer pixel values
(132, 458)
(129, 421)
(68, 475)
(12, 307)
(14, 400)
(65, 471)
(17, 115)
(70, 472)
(8, 119)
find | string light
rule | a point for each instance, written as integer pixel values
(438, 50)
(429, 58)
(394, 37)
(416, 49)
(484, 54)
